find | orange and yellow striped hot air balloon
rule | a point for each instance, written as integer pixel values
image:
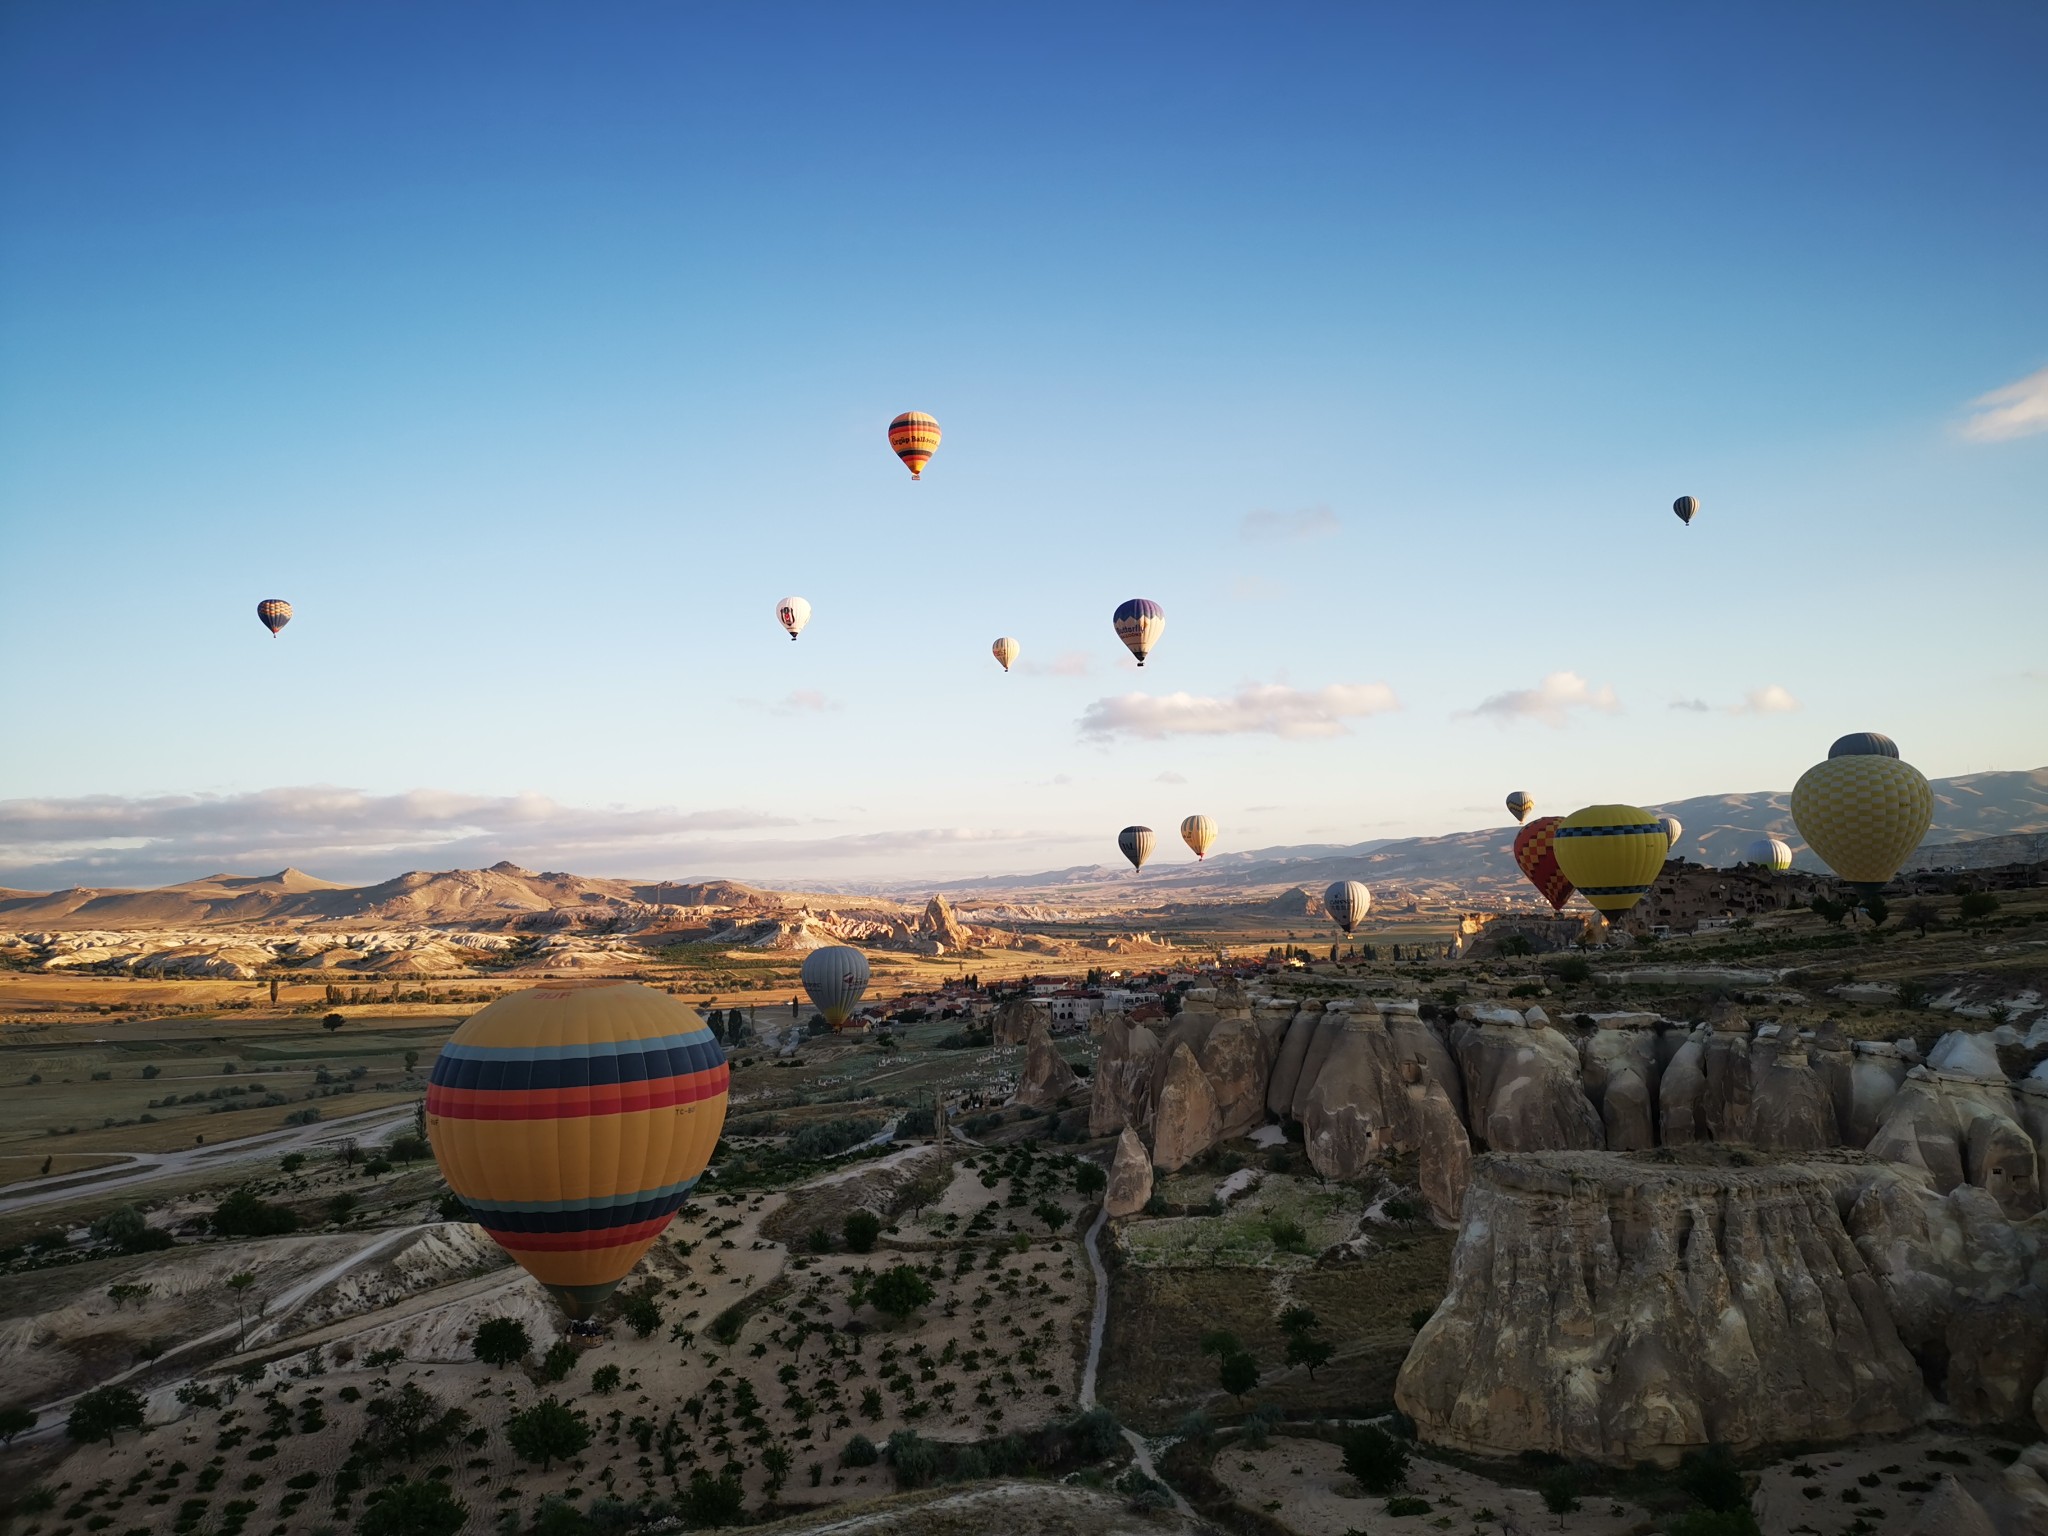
(573, 1120)
(915, 437)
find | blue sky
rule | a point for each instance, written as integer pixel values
(534, 352)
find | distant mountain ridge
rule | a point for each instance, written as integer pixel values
(2006, 811)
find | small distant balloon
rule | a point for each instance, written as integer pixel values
(915, 437)
(1139, 624)
(1347, 902)
(1674, 829)
(1005, 650)
(1520, 804)
(1198, 832)
(1768, 853)
(1136, 845)
(793, 613)
(835, 976)
(275, 613)
(1687, 508)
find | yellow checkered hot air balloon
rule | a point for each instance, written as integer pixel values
(1863, 810)
(915, 437)
(1611, 853)
(573, 1121)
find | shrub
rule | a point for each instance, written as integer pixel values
(500, 1341)
(900, 1291)
(828, 1138)
(547, 1432)
(714, 1501)
(1976, 905)
(1710, 1477)
(558, 1361)
(915, 1459)
(242, 1214)
(1576, 969)
(860, 1229)
(818, 1240)
(1407, 1504)
(642, 1313)
(412, 1508)
(859, 1452)
(604, 1380)
(1715, 1522)
(1376, 1459)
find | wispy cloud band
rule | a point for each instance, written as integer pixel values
(1261, 709)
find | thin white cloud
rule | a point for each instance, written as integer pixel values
(2019, 409)
(1696, 706)
(1551, 701)
(806, 700)
(1272, 527)
(1771, 699)
(1261, 709)
(1066, 664)
(1168, 777)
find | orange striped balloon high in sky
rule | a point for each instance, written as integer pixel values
(275, 613)
(915, 437)
(573, 1120)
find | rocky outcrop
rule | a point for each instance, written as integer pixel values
(1951, 1511)
(1233, 1051)
(1618, 1309)
(1013, 1021)
(1387, 1085)
(1619, 1072)
(1130, 1177)
(1186, 1122)
(1790, 1107)
(1301, 1029)
(1962, 1130)
(1522, 1087)
(1123, 1090)
(1046, 1081)
(938, 924)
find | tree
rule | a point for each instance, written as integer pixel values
(1298, 1319)
(343, 1205)
(1376, 1459)
(409, 1424)
(291, 1162)
(332, 1022)
(899, 1292)
(409, 1508)
(1711, 1477)
(1220, 1341)
(604, 1380)
(861, 1228)
(1052, 1213)
(242, 1214)
(547, 1431)
(240, 1285)
(1238, 1372)
(559, 1361)
(1560, 1490)
(1089, 1179)
(102, 1412)
(412, 1059)
(715, 1501)
(1921, 914)
(1311, 1352)
(409, 1149)
(775, 1461)
(642, 1314)
(15, 1419)
(1876, 910)
(501, 1341)
(1975, 905)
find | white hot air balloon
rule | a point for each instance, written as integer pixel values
(1005, 650)
(1347, 902)
(793, 613)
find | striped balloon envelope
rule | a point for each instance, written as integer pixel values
(1347, 902)
(915, 437)
(1769, 853)
(573, 1120)
(1199, 833)
(1536, 857)
(1520, 804)
(1611, 853)
(1139, 622)
(274, 613)
(836, 977)
(1135, 844)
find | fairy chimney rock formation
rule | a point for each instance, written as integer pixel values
(1130, 1177)
(1046, 1080)
(1186, 1122)
(1523, 1091)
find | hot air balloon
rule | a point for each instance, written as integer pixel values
(1687, 508)
(1855, 744)
(836, 976)
(1768, 853)
(1863, 811)
(1536, 857)
(573, 1120)
(1198, 832)
(1674, 829)
(1347, 902)
(1611, 853)
(275, 613)
(1138, 624)
(1520, 804)
(915, 437)
(1005, 650)
(793, 613)
(1136, 844)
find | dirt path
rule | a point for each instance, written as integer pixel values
(1141, 1451)
(368, 1128)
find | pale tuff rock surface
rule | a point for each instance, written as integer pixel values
(1790, 1107)
(1187, 1121)
(1619, 1309)
(1123, 1091)
(940, 926)
(1620, 1070)
(1522, 1086)
(1013, 1022)
(1962, 1054)
(1962, 1130)
(1130, 1177)
(1301, 1028)
(1387, 1085)
(1950, 1511)
(1046, 1078)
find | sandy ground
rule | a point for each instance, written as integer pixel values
(1889, 1479)
(1039, 1509)
(1302, 1485)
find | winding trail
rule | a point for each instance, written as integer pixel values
(1141, 1450)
